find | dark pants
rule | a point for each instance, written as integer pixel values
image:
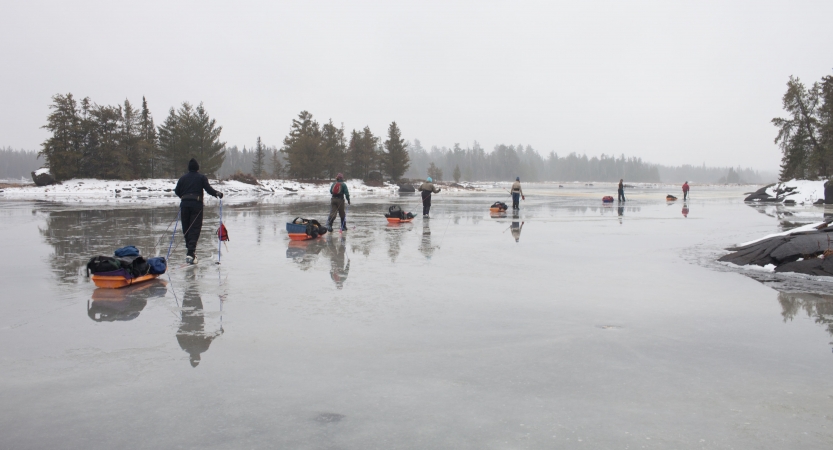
(337, 206)
(516, 200)
(685, 195)
(621, 195)
(191, 224)
(426, 203)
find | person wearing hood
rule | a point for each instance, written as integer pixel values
(339, 192)
(427, 189)
(517, 193)
(189, 189)
(685, 191)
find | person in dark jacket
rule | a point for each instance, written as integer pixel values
(189, 189)
(337, 203)
(621, 190)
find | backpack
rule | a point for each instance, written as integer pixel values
(102, 264)
(336, 189)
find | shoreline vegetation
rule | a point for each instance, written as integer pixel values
(88, 140)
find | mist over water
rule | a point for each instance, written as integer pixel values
(568, 324)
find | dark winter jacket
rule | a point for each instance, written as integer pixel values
(190, 186)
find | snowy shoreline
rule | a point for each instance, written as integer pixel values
(160, 190)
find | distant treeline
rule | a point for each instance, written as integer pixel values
(507, 162)
(806, 134)
(16, 164)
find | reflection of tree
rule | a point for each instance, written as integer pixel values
(109, 305)
(77, 235)
(191, 334)
(817, 306)
(337, 251)
(786, 219)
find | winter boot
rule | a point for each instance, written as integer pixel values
(329, 226)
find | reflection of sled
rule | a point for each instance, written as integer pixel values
(398, 220)
(497, 214)
(113, 295)
(118, 282)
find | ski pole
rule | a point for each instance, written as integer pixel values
(219, 236)
(176, 224)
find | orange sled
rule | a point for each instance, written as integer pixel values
(119, 282)
(299, 236)
(398, 220)
(497, 210)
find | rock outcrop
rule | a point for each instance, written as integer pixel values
(808, 252)
(42, 177)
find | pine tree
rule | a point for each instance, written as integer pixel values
(303, 148)
(396, 160)
(361, 153)
(457, 174)
(335, 148)
(191, 133)
(63, 151)
(277, 167)
(260, 159)
(803, 156)
(148, 144)
(435, 172)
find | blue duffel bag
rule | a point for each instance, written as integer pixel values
(157, 265)
(126, 251)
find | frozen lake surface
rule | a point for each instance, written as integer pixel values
(571, 326)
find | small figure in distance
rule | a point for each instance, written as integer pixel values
(339, 192)
(517, 193)
(685, 191)
(427, 189)
(189, 189)
(621, 190)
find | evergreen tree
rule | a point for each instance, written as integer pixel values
(435, 172)
(303, 148)
(277, 167)
(802, 155)
(396, 160)
(260, 159)
(63, 151)
(362, 153)
(457, 174)
(190, 133)
(148, 144)
(335, 148)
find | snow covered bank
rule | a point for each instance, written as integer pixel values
(794, 191)
(161, 190)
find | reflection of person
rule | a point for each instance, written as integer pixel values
(189, 189)
(338, 269)
(339, 192)
(621, 211)
(517, 193)
(685, 210)
(685, 191)
(427, 189)
(425, 246)
(621, 190)
(516, 230)
(191, 334)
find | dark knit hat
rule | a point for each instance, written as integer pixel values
(193, 165)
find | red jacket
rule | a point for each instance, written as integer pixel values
(685, 187)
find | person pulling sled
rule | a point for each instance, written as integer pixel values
(190, 189)
(339, 192)
(427, 189)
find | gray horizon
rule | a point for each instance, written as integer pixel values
(682, 83)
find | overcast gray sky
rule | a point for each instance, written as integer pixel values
(670, 81)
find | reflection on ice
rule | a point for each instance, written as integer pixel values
(109, 305)
(817, 306)
(191, 335)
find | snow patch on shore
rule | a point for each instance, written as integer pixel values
(161, 190)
